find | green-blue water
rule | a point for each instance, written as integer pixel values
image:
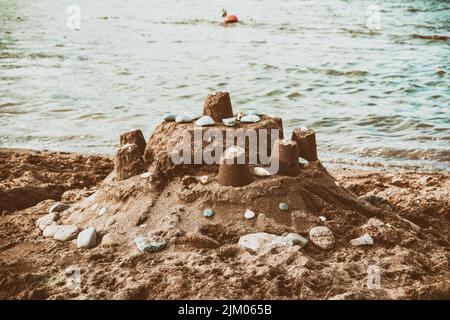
(371, 95)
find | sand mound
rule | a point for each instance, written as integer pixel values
(172, 231)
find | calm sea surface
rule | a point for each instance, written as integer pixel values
(371, 95)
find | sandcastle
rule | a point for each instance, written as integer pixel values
(208, 180)
(218, 114)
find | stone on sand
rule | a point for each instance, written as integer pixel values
(261, 241)
(150, 244)
(322, 237)
(249, 214)
(293, 239)
(87, 238)
(65, 233)
(47, 220)
(111, 240)
(50, 231)
(364, 240)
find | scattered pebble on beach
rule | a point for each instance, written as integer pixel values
(110, 222)
(205, 121)
(111, 240)
(47, 220)
(183, 118)
(94, 207)
(87, 238)
(293, 239)
(169, 117)
(145, 175)
(322, 218)
(261, 241)
(204, 180)
(365, 240)
(229, 122)
(283, 206)
(65, 233)
(208, 213)
(249, 214)
(252, 118)
(150, 244)
(322, 237)
(102, 211)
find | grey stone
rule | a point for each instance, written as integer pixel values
(87, 238)
(47, 220)
(229, 122)
(150, 244)
(293, 239)
(249, 214)
(322, 237)
(183, 118)
(50, 231)
(169, 117)
(111, 240)
(261, 242)
(364, 240)
(208, 213)
(252, 118)
(110, 222)
(65, 233)
(283, 206)
(205, 121)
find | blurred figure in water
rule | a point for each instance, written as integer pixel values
(229, 18)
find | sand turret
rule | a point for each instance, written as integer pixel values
(306, 141)
(218, 106)
(233, 171)
(286, 153)
(134, 137)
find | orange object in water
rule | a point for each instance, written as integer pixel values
(230, 19)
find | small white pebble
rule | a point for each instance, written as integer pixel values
(322, 218)
(94, 206)
(102, 211)
(145, 175)
(249, 214)
(204, 179)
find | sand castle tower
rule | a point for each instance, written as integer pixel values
(135, 156)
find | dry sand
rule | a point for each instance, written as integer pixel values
(406, 213)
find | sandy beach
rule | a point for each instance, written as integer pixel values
(410, 222)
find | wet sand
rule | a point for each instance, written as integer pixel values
(408, 217)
